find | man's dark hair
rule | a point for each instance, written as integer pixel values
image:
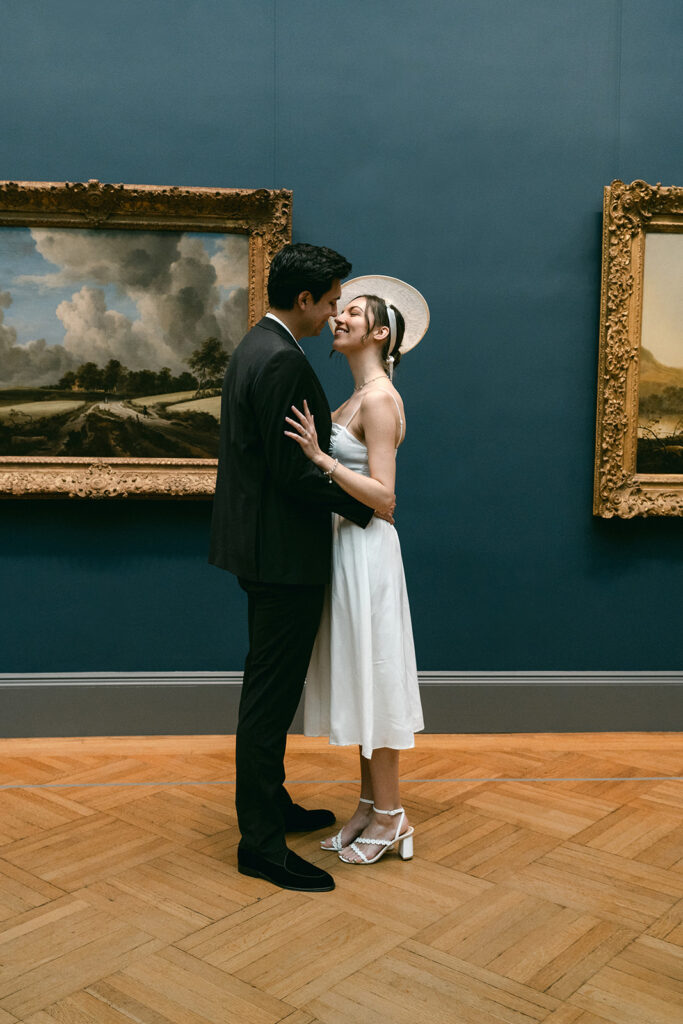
(303, 268)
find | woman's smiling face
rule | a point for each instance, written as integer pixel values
(350, 328)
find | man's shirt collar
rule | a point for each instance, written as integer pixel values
(279, 321)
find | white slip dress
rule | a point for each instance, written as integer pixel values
(361, 685)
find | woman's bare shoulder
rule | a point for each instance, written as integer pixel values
(382, 398)
(382, 410)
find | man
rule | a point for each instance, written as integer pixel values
(271, 526)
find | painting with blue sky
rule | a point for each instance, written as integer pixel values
(141, 309)
(145, 298)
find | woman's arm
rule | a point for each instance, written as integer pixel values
(284, 377)
(380, 427)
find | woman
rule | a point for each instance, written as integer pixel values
(362, 686)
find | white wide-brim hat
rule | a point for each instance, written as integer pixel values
(407, 300)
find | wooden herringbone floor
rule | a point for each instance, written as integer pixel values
(547, 886)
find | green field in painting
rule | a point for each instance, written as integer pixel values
(47, 422)
(37, 410)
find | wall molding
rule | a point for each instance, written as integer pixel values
(206, 703)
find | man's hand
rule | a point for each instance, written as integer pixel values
(386, 512)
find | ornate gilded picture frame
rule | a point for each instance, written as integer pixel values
(639, 437)
(119, 308)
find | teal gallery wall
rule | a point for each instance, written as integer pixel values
(460, 145)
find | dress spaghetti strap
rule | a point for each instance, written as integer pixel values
(400, 418)
(348, 422)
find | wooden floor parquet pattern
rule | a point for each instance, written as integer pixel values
(546, 887)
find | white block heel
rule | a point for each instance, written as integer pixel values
(405, 848)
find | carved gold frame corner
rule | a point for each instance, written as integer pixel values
(630, 211)
(264, 215)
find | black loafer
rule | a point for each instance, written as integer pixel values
(298, 819)
(294, 873)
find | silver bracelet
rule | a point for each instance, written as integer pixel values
(328, 472)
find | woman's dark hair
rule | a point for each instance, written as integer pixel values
(380, 318)
(303, 268)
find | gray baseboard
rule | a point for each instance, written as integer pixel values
(205, 703)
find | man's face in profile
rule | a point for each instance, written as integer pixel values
(318, 313)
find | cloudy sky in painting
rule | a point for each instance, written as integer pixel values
(662, 330)
(148, 299)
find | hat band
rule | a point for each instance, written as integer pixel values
(392, 327)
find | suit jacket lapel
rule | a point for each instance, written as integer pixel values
(272, 325)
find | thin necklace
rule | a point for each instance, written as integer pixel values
(359, 387)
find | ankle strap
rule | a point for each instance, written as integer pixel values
(392, 813)
(362, 800)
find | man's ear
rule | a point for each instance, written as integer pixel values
(303, 299)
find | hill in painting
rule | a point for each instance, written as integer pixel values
(655, 376)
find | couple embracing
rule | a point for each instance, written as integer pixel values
(303, 516)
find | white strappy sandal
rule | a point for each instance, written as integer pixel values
(404, 841)
(336, 841)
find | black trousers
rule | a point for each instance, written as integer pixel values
(283, 622)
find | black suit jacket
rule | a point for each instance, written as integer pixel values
(271, 513)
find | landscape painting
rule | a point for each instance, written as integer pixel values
(120, 306)
(638, 462)
(660, 391)
(114, 342)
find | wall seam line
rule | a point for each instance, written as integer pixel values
(619, 55)
(274, 183)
